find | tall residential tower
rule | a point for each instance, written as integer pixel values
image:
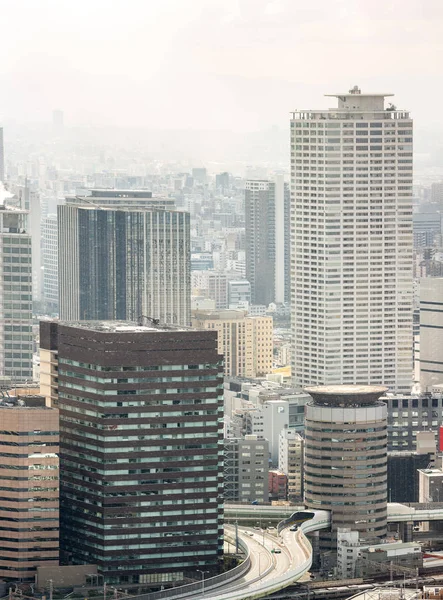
(351, 223)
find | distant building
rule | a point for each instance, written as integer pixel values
(211, 284)
(246, 467)
(29, 511)
(199, 175)
(50, 262)
(16, 340)
(267, 218)
(239, 292)
(246, 342)
(123, 255)
(431, 332)
(142, 473)
(275, 420)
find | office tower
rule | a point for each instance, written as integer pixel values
(29, 512)
(2, 157)
(345, 457)
(351, 185)
(16, 295)
(290, 462)
(246, 466)
(50, 262)
(141, 451)
(431, 332)
(246, 342)
(267, 219)
(123, 254)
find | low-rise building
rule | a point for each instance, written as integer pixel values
(246, 465)
(290, 461)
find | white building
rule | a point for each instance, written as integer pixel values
(290, 461)
(351, 195)
(275, 419)
(50, 262)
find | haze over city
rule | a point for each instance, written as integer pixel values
(221, 300)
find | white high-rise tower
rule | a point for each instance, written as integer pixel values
(351, 232)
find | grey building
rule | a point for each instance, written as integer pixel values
(246, 467)
(409, 415)
(239, 293)
(141, 450)
(123, 254)
(16, 295)
(267, 222)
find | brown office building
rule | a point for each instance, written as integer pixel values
(141, 448)
(29, 473)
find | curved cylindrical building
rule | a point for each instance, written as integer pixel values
(346, 456)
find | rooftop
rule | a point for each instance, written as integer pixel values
(144, 325)
(346, 395)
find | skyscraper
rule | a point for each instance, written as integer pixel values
(123, 254)
(16, 295)
(351, 186)
(267, 218)
(141, 447)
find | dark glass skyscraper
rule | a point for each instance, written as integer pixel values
(141, 447)
(123, 255)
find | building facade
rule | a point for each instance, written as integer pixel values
(346, 457)
(267, 221)
(16, 295)
(50, 262)
(141, 450)
(29, 510)
(122, 256)
(246, 342)
(431, 332)
(351, 186)
(290, 461)
(246, 466)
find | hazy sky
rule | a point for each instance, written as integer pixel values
(214, 64)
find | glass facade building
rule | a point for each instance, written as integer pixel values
(141, 448)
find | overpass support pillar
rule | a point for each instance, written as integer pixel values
(406, 529)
